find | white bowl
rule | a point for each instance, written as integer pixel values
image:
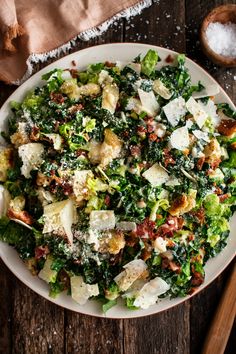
(111, 52)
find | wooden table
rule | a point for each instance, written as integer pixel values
(30, 324)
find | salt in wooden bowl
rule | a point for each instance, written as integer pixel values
(223, 14)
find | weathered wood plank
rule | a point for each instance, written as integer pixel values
(203, 307)
(5, 309)
(37, 325)
(86, 334)
(164, 333)
(161, 24)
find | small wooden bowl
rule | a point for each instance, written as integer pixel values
(223, 14)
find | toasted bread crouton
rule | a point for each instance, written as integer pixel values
(227, 127)
(20, 215)
(116, 243)
(212, 153)
(183, 204)
(5, 158)
(179, 205)
(112, 242)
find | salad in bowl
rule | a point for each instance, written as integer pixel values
(119, 180)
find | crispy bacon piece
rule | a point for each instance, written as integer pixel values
(135, 150)
(169, 59)
(215, 164)
(165, 263)
(74, 73)
(107, 200)
(20, 215)
(150, 128)
(41, 251)
(200, 163)
(218, 191)
(75, 108)
(153, 137)
(200, 215)
(172, 224)
(67, 188)
(57, 97)
(146, 228)
(227, 127)
(197, 279)
(109, 64)
(174, 267)
(168, 158)
(223, 197)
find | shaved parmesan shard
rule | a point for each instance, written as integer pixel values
(156, 175)
(134, 104)
(126, 225)
(148, 295)
(210, 108)
(173, 181)
(4, 201)
(80, 291)
(79, 184)
(196, 110)
(59, 217)
(110, 97)
(104, 78)
(159, 245)
(201, 135)
(56, 139)
(149, 102)
(210, 90)
(102, 219)
(110, 148)
(174, 110)
(179, 139)
(161, 89)
(136, 67)
(31, 156)
(46, 273)
(133, 270)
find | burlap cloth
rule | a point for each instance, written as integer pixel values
(32, 30)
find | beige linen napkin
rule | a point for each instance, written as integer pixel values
(33, 30)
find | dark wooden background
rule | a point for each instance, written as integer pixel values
(30, 324)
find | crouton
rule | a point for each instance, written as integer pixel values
(212, 153)
(5, 164)
(227, 127)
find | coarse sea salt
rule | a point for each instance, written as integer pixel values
(222, 38)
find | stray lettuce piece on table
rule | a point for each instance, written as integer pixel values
(149, 62)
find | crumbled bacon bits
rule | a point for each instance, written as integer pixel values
(168, 159)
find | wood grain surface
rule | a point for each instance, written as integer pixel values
(31, 325)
